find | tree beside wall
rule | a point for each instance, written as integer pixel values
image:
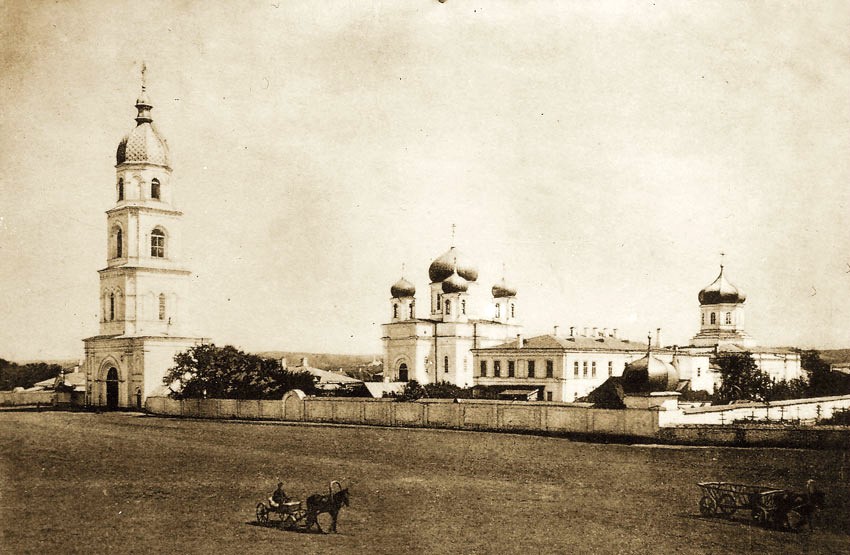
(741, 379)
(229, 373)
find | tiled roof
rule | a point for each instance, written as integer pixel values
(574, 344)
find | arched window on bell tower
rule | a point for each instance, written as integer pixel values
(713, 318)
(395, 310)
(119, 243)
(121, 189)
(111, 307)
(162, 306)
(412, 310)
(155, 192)
(158, 243)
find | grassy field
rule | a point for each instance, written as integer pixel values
(125, 483)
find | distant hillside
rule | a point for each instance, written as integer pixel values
(325, 361)
(835, 356)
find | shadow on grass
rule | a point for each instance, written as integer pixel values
(276, 525)
(740, 519)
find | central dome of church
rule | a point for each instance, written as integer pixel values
(444, 266)
(721, 292)
(143, 144)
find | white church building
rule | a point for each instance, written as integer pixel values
(144, 286)
(438, 347)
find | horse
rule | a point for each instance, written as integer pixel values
(329, 503)
(796, 509)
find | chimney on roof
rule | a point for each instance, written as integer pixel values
(520, 342)
(614, 333)
(555, 332)
(572, 331)
(283, 363)
(604, 332)
(303, 361)
(595, 334)
(658, 337)
(586, 331)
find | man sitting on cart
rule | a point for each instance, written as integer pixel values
(278, 497)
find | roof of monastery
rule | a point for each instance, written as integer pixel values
(143, 143)
(721, 291)
(578, 343)
(738, 348)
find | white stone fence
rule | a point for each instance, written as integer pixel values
(545, 417)
(794, 410)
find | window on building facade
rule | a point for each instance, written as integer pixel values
(155, 188)
(119, 243)
(698, 372)
(402, 372)
(713, 318)
(548, 395)
(448, 307)
(395, 310)
(483, 368)
(584, 369)
(511, 368)
(463, 306)
(610, 368)
(513, 311)
(111, 306)
(530, 368)
(157, 243)
(439, 306)
(575, 369)
(498, 310)
(121, 189)
(702, 319)
(550, 369)
(412, 310)
(445, 364)
(497, 368)
(161, 306)
(728, 317)
(593, 369)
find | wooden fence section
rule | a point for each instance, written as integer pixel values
(538, 416)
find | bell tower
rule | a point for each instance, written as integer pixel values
(144, 286)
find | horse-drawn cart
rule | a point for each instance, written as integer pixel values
(769, 507)
(296, 515)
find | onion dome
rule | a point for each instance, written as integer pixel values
(444, 266)
(402, 288)
(502, 290)
(143, 144)
(721, 292)
(649, 374)
(455, 284)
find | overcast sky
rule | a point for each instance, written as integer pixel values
(606, 153)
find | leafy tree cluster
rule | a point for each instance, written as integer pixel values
(413, 390)
(822, 382)
(14, 375)
(228, 373)
(741, 379)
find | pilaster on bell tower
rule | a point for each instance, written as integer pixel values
(142, 286)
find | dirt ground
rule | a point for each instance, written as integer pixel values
(127, 483)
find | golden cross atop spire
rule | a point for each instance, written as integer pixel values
(722, 255)
(144, 79)
(402, 269)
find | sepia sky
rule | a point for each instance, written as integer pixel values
(605, 153)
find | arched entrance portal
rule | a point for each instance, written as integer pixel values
(402, 372)
(112, 388)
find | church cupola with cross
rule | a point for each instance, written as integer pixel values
(721, 314)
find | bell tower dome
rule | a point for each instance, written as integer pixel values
(721, 314)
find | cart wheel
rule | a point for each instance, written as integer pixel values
(793, 520)
(761, 517)
(262, 513)
(707, 506)
(726, 505)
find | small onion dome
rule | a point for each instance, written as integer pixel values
(721, 292)
(455, 284)
(143, 144)
(402, 288)
(649, 374)
(502, 290)
(444, 266)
